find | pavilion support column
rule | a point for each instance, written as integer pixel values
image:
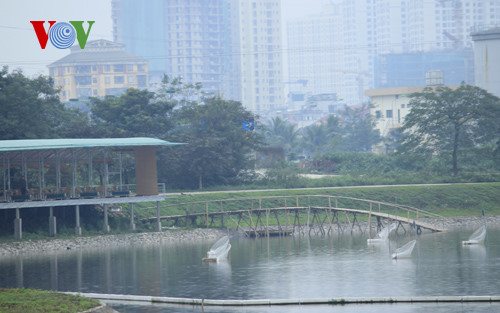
(52, 223)
(78, 229)
(106, 224)
(158, 221)
(132, 224)
(18, 225)
(145, 171)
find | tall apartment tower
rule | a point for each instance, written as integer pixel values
(315, 54)
(332, 50)
(181, 38)
(446, 24)
(259, 54)
(420, 26)
(357, 32)
(233, 47)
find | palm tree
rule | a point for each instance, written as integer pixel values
(281, 133)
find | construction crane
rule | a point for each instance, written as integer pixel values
(458, 20)
(359, 78)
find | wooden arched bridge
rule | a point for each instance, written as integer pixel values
(282, 215)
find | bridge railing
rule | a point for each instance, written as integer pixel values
(264, 203)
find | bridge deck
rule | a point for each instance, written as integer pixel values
(397, 218)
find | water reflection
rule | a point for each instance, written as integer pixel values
(286, 267)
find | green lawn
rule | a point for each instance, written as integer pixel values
(39, 301)
(444, 200)
(447, 200)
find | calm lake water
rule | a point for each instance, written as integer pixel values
(290, 267)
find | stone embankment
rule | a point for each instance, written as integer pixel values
(464, 222)
(122, 240)
(179, 236)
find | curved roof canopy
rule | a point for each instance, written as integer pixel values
(44, 144)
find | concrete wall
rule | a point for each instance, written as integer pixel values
(145, 171)
(487, 60)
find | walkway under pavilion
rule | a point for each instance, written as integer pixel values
(76, 172)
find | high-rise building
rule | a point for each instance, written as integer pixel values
(259, 54)
(189, 39)
(102, 68)
(331, 50)
(408, 26)
(367, 29)
(232, 47)
(409, 69)
(315, 54)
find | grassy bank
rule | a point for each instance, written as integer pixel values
(39, 301)
(446, 200)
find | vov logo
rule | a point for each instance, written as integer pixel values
(62, 35)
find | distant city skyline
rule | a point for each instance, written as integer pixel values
(335, 45)
(340, 49)
(23, 50)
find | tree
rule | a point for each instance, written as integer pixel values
(280, 133)
(357, 130)
(219, 141)
(444, 120)
(315, 138)
(353, 130)
(135, 113)
(174, 89)
(30, 107)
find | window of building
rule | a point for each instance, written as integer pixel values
(94, 80)
(107, 80)
(114, 91)
(119, 79)
(119, 68)
(388, 113)
(83, 92)
(378, 114)
(141, 81)
(130, 67)
(82, 80)
(131, 79)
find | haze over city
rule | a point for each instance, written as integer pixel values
(194, 155)
(24, 51)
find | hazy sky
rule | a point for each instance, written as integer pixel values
(20, 47)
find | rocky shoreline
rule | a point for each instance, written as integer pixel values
(179, 236)
(121, 240)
